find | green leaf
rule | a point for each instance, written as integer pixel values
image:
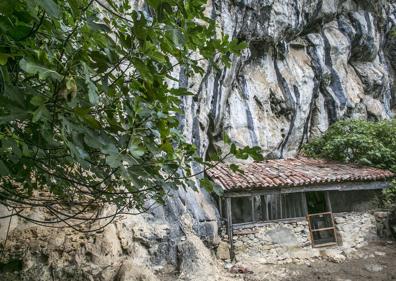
(3, 169)
(3, 59)
(43, 73)
(13, 116)
(98, 26)
(154, 3)
(365, 161)
(255, 152)
(37, 100)
(38, 113)
(50, 7)
(142, 68)
(235, 168)
(207, 184)
(70, 83)
(236, 47)
(226, 139)
(84, 114)
(74, 6)
(181, 92)
(92, 94)
(92, 90)
(91, 121)
(135, 150)
(167, 147)
(15, 94)
(113, 161)
(177, 37)
(20, 32)
(233, 149)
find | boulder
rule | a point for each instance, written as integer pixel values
(129, 271)
(223, 251)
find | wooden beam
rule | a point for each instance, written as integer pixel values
(221, 207)
(229, 227)
(258, 224)
(280, 206)
(296, 206)
(339, 187)
(304, 203)
(241, 194)
(253, 209)
(266, 209)
(328, 203)
(307, 188)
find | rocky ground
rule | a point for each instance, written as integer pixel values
(377, 261)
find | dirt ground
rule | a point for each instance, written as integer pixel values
(376, 262)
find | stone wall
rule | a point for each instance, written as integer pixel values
(286, 242)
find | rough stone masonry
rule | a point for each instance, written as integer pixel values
(289, 242)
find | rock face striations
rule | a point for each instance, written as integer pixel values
(309, 63)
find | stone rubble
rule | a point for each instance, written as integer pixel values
(374, 267)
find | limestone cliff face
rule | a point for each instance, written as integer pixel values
(309, 63)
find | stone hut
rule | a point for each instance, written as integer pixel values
(277, 211)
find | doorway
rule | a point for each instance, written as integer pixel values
(320, 219)
(316, 201)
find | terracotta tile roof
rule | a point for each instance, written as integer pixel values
(292, 172)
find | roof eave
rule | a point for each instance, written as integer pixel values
(333, 186)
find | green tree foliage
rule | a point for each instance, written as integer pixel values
(360, 142)
(87, 112)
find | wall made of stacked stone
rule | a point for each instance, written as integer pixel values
(286, 242)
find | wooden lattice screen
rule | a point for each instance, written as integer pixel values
(322, 229)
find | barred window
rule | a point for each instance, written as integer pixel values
(241, 209)
(267, 207)
(293, 205)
